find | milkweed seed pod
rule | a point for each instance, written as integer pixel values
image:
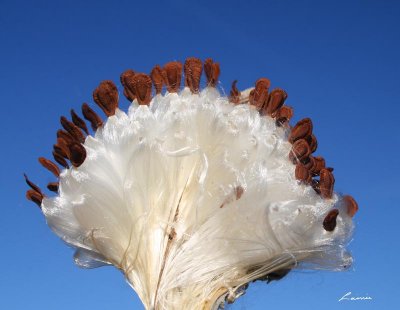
(193, 195)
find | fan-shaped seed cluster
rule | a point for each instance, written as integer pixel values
(69, 150)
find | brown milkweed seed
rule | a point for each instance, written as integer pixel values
(329, 223)
(302, 129)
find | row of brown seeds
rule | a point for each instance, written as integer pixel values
(69, 147)
(304, 142)
(310, 169)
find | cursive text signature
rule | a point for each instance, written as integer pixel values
(348, 296)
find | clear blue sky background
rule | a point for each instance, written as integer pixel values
(338, 61)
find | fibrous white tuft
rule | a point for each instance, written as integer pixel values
(193, 196)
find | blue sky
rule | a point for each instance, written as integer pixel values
(338, 61)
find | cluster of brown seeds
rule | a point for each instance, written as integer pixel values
(69, 149)
(310, 169)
